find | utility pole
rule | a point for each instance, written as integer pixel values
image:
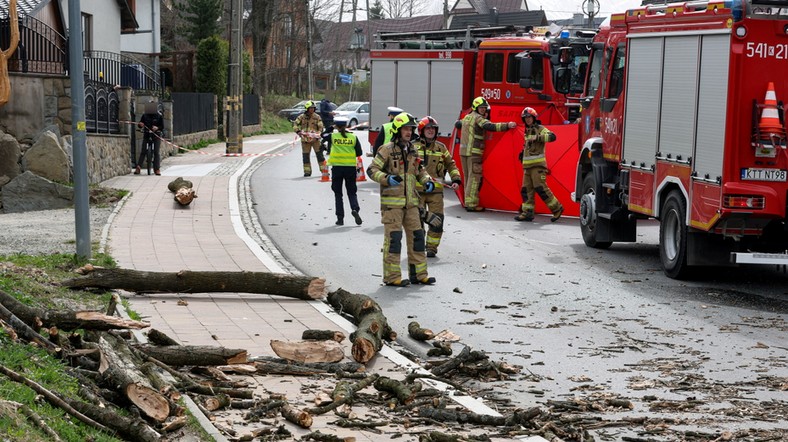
(76, 72)
(310, 92)
(234, 142)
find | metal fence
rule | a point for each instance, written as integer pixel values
(41, 49)
(192, 112)
(120, 69)
(251, 110)
(101, 108)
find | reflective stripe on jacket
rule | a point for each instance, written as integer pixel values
(437, 161)
(533, 151)
(403, 160)
(473, 127)
(308, 123)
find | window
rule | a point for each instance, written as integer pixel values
(617, 73)
(537, 73)
(493, 67)
(87, 32)
(513, 68)
(594, 74)
(287, 26)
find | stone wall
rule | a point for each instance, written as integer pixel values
(108, 156)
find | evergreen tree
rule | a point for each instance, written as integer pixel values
(376, 11)
(202, 18)
(212, 54)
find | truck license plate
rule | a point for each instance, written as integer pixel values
(764, 174)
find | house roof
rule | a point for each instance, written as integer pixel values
(484, 6)
(29, 7)
(127, 18)
(25, 6)
(521, 18)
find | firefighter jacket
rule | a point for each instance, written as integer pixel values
(473, 127)
(343, 149)
(533, 150)
(394, 159)
(310, 126)
(437, 160)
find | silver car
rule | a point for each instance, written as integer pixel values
(356, 112)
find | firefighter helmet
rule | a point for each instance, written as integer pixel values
(529, 112)
(403, 120)
(479, 101)
(309, 104)
(426, 122)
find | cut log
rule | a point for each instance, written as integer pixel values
(180, 355)
(403, 392)
(265, 365)
(323, 335)
(157, 337)
(308, 351)
(420, 334)
(343, 394)
(66, 320)
(183, 190)
(119, 366)
(298, 417)
(372, 324)
(128, 428)
(23, 330)
(185, 281)
(519, 417)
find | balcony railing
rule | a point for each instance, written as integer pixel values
(41, 49)
(119, 69)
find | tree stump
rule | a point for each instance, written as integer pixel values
(183, 190)
(372, 325)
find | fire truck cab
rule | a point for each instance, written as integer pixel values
(683, 121)
(438, 73)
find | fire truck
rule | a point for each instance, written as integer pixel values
(439, 73)
(683, 122)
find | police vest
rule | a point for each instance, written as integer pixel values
(387, 132)
(343, 149)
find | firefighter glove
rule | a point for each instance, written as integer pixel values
(394, 180)
(429, 187)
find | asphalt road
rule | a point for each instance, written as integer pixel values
(584, 324)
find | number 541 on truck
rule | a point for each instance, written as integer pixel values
(683, 121)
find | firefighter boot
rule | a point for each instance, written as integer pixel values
(557, 214)
(427, 280)
(525, 217)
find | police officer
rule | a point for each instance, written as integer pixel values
(535, 168)
(438, 161)
(472, 148)
(384, 136)
(397, 167)
(343, 149)
(309, 126)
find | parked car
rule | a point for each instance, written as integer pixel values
(356, 112)
(293, 112)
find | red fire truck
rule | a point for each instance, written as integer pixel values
(438, 73)
(681, 122)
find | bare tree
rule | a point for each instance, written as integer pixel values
(403, 8)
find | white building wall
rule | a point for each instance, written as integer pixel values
(106, 23)
(147, 39)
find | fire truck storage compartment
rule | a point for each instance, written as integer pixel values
(665, 113)
(422, 88)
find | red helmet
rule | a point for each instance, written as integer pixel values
(529, 111)
(425, 122)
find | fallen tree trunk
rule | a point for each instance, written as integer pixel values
(519, 417)
(25, 331)
(372, 325)
(185, 281)
(308, 351)
(180, 355)
(323, 335)
(66, 320)
(121, 370)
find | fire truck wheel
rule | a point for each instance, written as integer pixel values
(673, 236)
(588, 216)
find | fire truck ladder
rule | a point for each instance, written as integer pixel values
(443, 39)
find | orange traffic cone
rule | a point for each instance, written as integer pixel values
(770, 118)
(360, 175)
(324, 172)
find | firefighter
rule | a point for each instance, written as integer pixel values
(438, 161)
(309, 126)
(535, 168)
(343, 149)
(397, 167)
(472, 147)
(384, 136)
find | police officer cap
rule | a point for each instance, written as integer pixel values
(340, 121)
(394, 110)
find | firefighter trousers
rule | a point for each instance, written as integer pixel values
(472, 168)
(394, 222)
(306, 150)
(534, 183)
(433, 203)
(344, 175)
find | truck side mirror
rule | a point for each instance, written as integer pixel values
(562, 80)
(526, 71)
